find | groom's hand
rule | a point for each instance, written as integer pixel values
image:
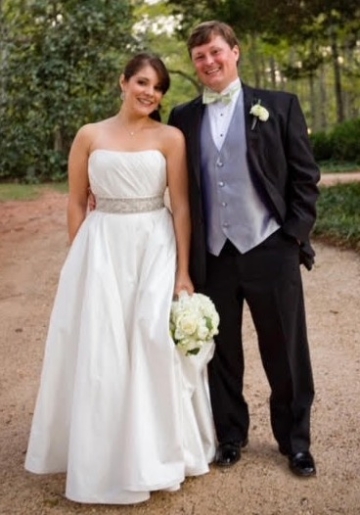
(91, 200)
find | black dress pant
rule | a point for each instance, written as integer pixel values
(268, 279)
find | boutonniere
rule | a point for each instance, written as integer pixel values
(259, 113)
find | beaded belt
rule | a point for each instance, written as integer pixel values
(129, 205)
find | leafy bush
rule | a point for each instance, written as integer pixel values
(341, 144)
(338, 166)
(339, 215)
(59, 73)
(322, 145)
(346, 141)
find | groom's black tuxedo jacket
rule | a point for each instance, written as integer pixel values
(280, 160)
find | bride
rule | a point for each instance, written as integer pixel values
(115, 409)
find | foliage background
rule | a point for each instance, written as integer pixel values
(60, 63)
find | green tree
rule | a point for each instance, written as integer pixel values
(318, 25)
(155, 31)
(69, 55)
(320, 39)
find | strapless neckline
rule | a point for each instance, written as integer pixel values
(126, 152)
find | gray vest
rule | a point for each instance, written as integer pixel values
(234, 209)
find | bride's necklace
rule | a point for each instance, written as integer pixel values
(133, 132)
(126, 125)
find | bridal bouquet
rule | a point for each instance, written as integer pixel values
(194, 322)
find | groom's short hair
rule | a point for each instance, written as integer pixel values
(203, 32)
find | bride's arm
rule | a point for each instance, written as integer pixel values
(179, 199)
(78, 182)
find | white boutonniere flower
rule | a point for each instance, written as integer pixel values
(259, 113)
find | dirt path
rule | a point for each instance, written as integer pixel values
(330, 179)
(32, 249)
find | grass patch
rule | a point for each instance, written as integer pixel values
(338, 219)
(15, 191)
(61, 187)
(338, 167)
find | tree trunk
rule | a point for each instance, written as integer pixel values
(273, 73)
(323, 99)
(351, 93)
(337, 77)
(254, 59)
(58, 140)
(314, 126)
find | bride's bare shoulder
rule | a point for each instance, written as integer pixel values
(89, 132)
(172, 135)
(91, 128)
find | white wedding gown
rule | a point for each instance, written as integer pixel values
(119, 409)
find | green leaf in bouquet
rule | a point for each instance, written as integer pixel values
(193, 351)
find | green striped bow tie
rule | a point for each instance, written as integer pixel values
(210, 96)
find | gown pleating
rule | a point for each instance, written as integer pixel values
(119, 408)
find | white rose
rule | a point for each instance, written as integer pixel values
(186, 324)
(202, 332)
(193, 321)
(215, 320)
(261, 112)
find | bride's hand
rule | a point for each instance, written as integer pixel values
(183, 282)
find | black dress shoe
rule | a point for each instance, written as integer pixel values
(227, 454)
(302, 464)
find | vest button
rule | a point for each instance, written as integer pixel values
(220, 163)
(225, 224)
(221, 184)
(224, 204)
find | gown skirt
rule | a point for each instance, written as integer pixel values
(119, 409)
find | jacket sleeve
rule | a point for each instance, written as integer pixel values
(302, 177)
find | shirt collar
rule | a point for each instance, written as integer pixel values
(233, 86)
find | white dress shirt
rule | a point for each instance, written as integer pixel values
(220, 114)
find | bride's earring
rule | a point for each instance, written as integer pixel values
(122, 95)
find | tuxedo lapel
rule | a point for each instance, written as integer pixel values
(248, 103)
(257, 161)
(194, 136)
(252, 134)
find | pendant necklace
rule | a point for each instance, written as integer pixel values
(133, 132)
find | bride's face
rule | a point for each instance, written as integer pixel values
(142, 92)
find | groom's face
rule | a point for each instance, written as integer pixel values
(216, 63)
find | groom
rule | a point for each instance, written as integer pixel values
(253, 193)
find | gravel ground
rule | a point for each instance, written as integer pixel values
(32, 249)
